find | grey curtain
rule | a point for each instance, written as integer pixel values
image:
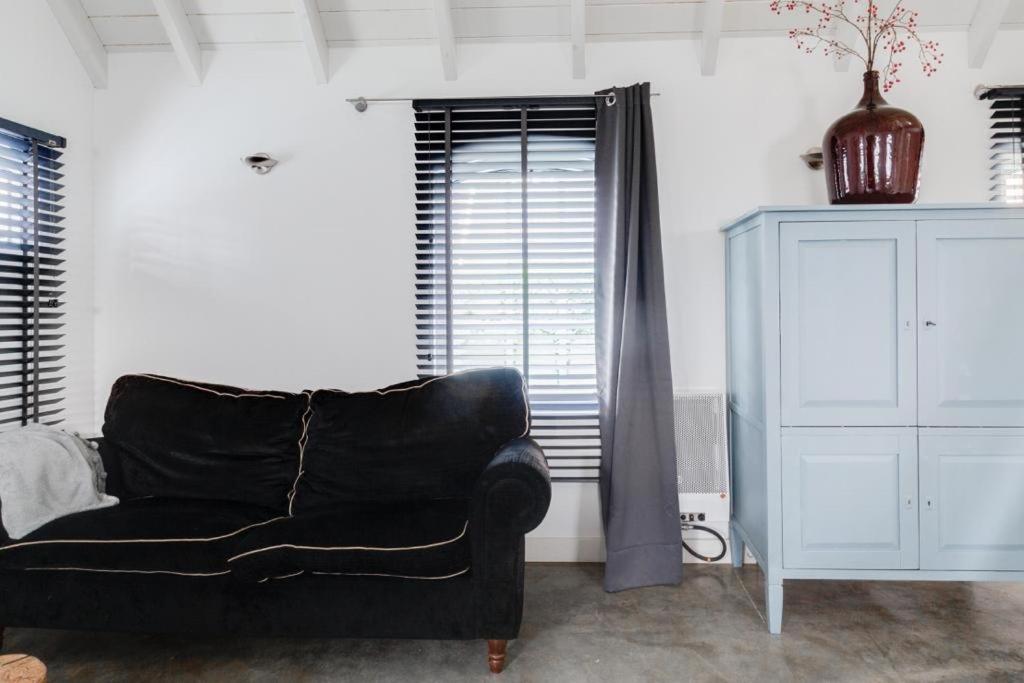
(639, 502)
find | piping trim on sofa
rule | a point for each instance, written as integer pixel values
(141, 540)
(384, 392)
(526, 401)
(123, 571)
(303, 440)
(290, 546)
(276, 578)
(249, 393)
(394, 576)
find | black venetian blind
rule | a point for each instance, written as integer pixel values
(505, 257)
(1007, 148)
(31, 276)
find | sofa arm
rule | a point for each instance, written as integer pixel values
(511, 497)
(513, 492)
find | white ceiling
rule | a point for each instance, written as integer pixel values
(187, 27)
(124, 25)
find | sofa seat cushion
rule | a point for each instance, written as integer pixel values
(402, 540)
(149, 535)
(422, 440)
(183, 439)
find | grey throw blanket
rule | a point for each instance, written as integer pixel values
(46, 473)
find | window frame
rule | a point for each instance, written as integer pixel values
(32, 272)
(566, 428)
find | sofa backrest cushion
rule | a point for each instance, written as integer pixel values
(182, 439)
(422, 440)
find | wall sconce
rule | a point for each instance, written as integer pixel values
(260, 163)
(814, 158)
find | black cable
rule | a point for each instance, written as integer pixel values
(686, 526)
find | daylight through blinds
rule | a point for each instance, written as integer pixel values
(505, 257)
(31, 276)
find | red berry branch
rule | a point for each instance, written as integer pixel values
(879, 42)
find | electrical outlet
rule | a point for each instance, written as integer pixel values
(714, 507)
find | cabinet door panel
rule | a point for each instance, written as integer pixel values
(849, 498)
(971, 283)
(848, 337)
(972, 507)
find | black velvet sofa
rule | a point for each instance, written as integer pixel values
(397, 513)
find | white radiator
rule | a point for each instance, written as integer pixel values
(702, 465)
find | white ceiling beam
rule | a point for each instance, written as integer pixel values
(847, 34)
(579, 38)
(83, 38)
(711, 35)
(311, 26)
(183, 38)
(446, 38)
(988, 15)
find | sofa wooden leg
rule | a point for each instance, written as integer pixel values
(496, 650)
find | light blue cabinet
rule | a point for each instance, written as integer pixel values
(971, 299)
(848, 293)
(876, 393)
(972, 499)
(849, 498)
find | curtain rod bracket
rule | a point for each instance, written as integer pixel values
(360, 104)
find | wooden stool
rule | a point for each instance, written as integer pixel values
(21, 669)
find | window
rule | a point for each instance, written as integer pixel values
(1007, 144)
(31, 276)
(505, 257)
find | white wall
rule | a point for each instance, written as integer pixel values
(42, 85)
(303, 278)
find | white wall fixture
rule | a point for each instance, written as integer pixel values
(814, 158)
(261, 163)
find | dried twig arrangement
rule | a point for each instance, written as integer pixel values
(880, 39)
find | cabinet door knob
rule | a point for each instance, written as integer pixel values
(930, 323)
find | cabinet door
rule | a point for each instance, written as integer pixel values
(849, 498)
(848, 333)
(971, 305)
(972, 507)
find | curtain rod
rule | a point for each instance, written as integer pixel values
(361, 103)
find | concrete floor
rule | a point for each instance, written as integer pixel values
(708, 629)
